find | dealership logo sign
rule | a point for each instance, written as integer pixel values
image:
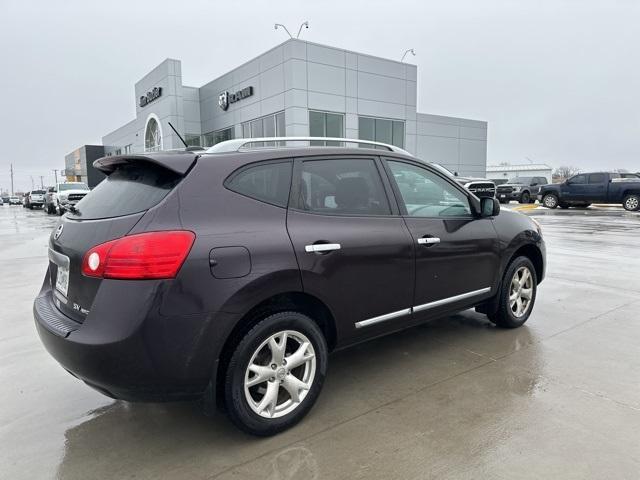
(226, 98)
(151, 95)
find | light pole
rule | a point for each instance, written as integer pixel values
(411, 51)
(303, 24)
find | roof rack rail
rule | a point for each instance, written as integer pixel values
(244, 144)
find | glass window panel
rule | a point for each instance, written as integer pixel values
(342, 187)
(384, 131)
(280, 126)
(269, 126)
(246, 130)
(425, 194)
(334, 126)
(398, 134)
(366, 128)
(192, 139)
(256, 128)
(316, 124)
(268, 183)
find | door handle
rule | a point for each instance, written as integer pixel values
(322, 247)
(428, 240)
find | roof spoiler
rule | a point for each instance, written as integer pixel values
(177, 162)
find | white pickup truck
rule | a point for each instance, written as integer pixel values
(64, 195)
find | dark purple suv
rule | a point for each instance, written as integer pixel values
(230, 275)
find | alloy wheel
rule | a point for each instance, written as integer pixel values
(280, 374)
(521, 292)
(550, 201)
(631, 203)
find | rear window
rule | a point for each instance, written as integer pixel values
(37, 192)
(129, 189)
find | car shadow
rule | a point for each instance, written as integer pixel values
(175, 439)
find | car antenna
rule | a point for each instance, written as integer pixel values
(179, 136)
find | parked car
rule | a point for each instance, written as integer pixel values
(13, 200)
(480, 187)
(64, 195)
(522, 189)
(1, 201)
(586, 188)
(230, 275)
(5, 199)
(34, 199)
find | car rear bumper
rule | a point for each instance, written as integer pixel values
(126, 349)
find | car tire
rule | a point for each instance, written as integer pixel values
(514, 282)
(631, 202)
(550, 200)
(525, 197)
(248, 405)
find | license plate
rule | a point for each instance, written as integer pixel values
(503, 196)
(62, 280)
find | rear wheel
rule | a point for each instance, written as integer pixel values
(525, 197)
(550, 200)
(631, 202)
(275, 374)
(517, 294)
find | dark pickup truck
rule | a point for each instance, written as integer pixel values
(586, 188)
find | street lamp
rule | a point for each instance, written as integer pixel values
(411, 50)
(303, 24)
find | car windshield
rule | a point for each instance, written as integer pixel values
(521, 180)
(73, 186)
(37, 192)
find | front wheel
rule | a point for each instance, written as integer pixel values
(525, 197)
(631, 202)
(517, 294)
(550, 200)
(275, 374)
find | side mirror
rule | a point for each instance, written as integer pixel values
(489, 207)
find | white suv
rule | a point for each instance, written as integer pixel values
(64, 195)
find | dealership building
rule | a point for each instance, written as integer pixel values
(299, 88)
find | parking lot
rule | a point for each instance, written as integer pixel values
(456, 398)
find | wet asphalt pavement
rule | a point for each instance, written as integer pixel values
(457, 398)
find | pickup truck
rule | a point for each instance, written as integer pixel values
(34, 198)
(64, 195)
(599, 187)
(522, 189)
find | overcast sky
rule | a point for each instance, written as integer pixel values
(558, 81)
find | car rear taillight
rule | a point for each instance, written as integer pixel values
(141, 256)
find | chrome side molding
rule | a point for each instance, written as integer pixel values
(382, 318)
(419, 308)
(444, 301)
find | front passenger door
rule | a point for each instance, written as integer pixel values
(457, 254)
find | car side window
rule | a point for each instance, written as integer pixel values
(578, 179)
(342, 187)
(425, 194)
(596, 178)
(267, 182)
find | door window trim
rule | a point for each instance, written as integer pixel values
(398, 195)
(294, 203)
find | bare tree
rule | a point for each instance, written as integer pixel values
(564, 172)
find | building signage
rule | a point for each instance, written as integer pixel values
(152, 95)
(225, 98)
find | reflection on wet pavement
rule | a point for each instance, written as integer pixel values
(456, 398)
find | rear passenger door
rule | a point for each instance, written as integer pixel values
(353, 249)
(596, 188)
